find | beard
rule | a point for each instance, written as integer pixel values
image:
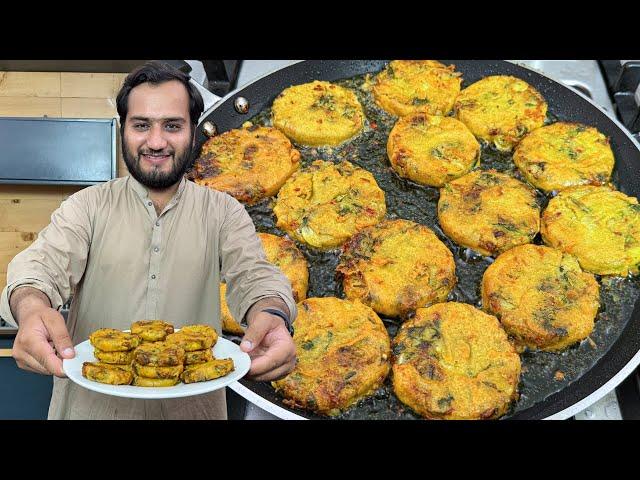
(156, 179)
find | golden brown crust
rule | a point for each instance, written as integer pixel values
(161, 354)
(598, 225)
(453, 361)
(489, 212)
(283, 253)
(431, 150)
(396, 267)
(563, 155)
(405, 87)
(150, 371)
(152, 330)
(343, 354)
(139, 381)
(318, 113)
(204, 372)
(198, 356)
(194, 337)
(501, 109)
(541, 296)
(112, 340)
(249, 164)
(120, 358)
(325, 204)
(107, 373)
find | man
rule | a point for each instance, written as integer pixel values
(147, 246)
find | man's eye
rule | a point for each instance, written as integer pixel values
(173, 126)
(140, 126)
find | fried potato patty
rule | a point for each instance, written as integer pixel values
(152, 330)
(120, 358)
(151, 371)
(192, 340)
(396, 267)
(111, 340)
(541, 296)
(107, 373)
(598, 225)
(318, 113)
(198, 356)
(160, 354)
(325, 204)
(488, 211)
(283, 253)
(453, 361)
(139, 381)
(211, 370)
(247, 163)
(564, 155)
(343, 355)
(431, 150)
(501, 109)
(409, 86)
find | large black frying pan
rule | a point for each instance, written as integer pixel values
(591, 369)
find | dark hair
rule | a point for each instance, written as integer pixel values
(156, 72)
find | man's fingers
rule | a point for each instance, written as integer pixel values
(272, 360)
(54, 322)
(42, 352)
(277, 374)
(27, 362)
(256, 332)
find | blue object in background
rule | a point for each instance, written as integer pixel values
(23, 395)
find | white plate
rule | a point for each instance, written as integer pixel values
(222, 349)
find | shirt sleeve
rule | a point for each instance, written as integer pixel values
(55, 262)
(245, 269)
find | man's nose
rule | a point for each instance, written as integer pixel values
(156, 139)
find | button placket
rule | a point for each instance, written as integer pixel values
(154, 268)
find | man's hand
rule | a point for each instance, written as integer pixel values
(268, 343)
(41, 333)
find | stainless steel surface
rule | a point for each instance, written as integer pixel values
(581, 75)
(606, 408)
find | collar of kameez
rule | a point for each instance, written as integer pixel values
(143, 192)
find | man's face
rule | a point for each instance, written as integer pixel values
(157, 141)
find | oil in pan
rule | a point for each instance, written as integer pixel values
(543, 373)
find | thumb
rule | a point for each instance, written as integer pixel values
(254, 335)
(58, 332)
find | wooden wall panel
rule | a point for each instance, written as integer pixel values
(30, 84)
(27, 209)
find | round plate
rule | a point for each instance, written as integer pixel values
(222, 349)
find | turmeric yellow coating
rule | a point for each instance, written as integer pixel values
(488, 211)
(563, 155)
(431, 150)
(598, 225)
(318, 114)
(343, 354)
(455, 362)
(396, 267)
(541, 296)
(249, 164)
(112, 340)
(405, 87)
(283, 253)
(501, 109)
(325, 204)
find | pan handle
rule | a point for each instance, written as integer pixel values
(209, 98)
